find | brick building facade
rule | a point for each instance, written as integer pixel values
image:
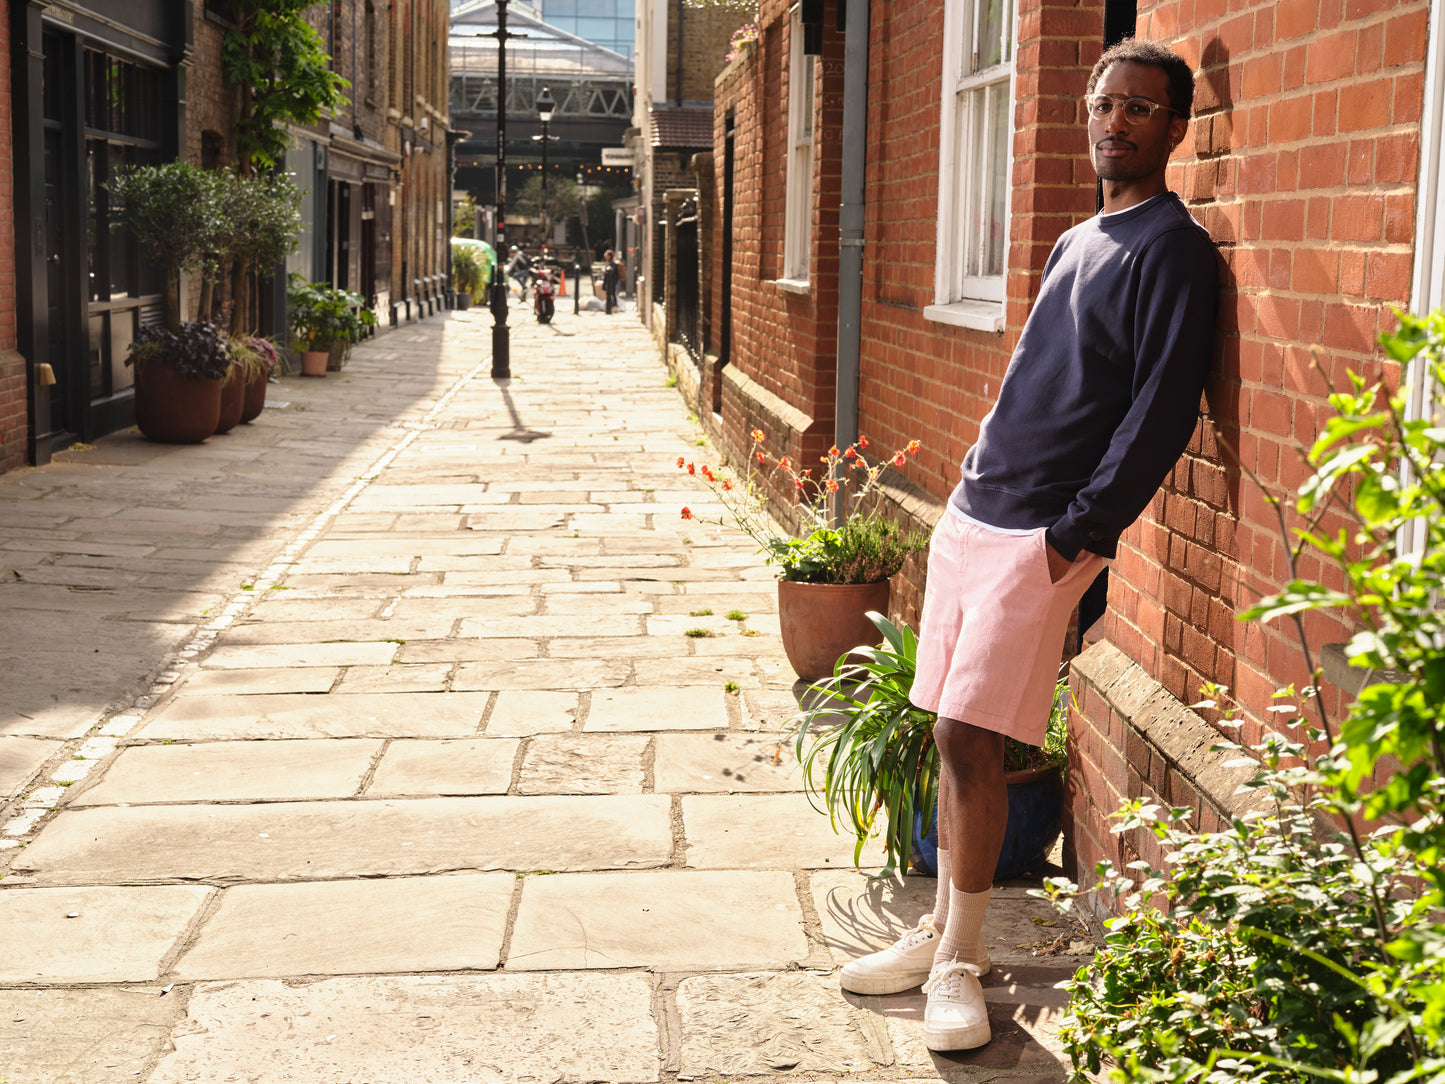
(13, 411)
(1303, 160)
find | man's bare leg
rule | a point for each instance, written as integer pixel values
(956, 1017)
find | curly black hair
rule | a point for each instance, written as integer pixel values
(1138, 51)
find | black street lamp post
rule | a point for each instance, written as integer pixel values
(501, 335)
(545, 105)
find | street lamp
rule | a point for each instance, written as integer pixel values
(501, 335)
(545, 105)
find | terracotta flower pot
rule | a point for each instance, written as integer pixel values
(821, 621)
(233, 404)
(255, 397)
(313, 362)
(175, 409)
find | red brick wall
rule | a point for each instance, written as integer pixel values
(13, 420)
(1302, 161)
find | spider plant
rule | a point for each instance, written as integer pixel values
(873, 748)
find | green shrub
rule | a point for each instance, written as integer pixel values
(1298, 945)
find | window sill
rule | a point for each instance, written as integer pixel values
(976, 315)
(792, 286)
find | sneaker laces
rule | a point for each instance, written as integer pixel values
(947, 979)
(924, 931)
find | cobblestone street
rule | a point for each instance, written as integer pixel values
(377, 741)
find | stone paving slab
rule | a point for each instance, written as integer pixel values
(765, 831)
(465, 650)
(595, 673)
(20, 759)
(85, 1036)
(595, 625)
(270, 679)
(323, 654)
(394, 924)
(416, 678)
(490, 1029)
(519, 713)
(446, 767)
(233, 771)
(653, 920)
(651, 709)
(697, 763)
(768, 1023)
(289, 841)
(349, 630)
(88, 934)
(583, 764)
(665, 668)
(360, 715)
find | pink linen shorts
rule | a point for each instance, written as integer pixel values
(992, 634)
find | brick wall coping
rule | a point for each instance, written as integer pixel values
(1170, 730)
(773, 405)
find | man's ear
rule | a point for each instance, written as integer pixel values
(1178, 126)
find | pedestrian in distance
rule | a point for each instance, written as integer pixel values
(611, 276)
(1099, 400)
(519, 268)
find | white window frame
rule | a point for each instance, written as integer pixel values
(961, 298)
(802, 137)
(1427, 287)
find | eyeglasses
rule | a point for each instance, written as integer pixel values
(1136, 110)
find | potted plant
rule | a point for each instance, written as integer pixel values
(831, 573)
(255, 358)
(468, 272)
(178, 381)
(326, 319)
(171, 210)
(866, 749)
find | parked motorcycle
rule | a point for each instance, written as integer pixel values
(544, 293)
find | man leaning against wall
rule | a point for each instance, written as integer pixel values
(1099, 401)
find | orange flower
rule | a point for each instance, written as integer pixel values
(757, 435)
(832, 486)
(687, 513)
(691, 469)
(707, 473)
(785, 463)
(833, 451)
(728, 484)
(899, 459)
(762, 458)
(862, 441)
(680, 462)
(851, 453)
(913, 447)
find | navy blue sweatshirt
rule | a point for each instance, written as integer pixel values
(1102, 393)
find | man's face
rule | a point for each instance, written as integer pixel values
(1126, 152)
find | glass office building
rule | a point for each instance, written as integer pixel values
(608, 23)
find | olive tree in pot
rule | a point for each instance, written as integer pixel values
(172, 211)
(326, 320)
(866, 750)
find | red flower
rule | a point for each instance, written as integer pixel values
(727, 484)
(913, 447)
(762, 458)
(757, 436)
(680, 462)
(850, 453)
(707, 473)
(832, 486)
(691, 469)
(899, 459)
(833, 451)
(785, 463)
(687, 513)
(862, 441)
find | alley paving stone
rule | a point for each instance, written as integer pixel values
(603, 920)
(92, 934)
(457, 766)
(233, 771)
(288, 841)
(353, 927)
(393, 759)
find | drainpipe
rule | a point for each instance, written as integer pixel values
(678, 76)
(850, 220)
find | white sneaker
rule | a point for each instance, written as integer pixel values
(956, 1017)
(901, 966)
